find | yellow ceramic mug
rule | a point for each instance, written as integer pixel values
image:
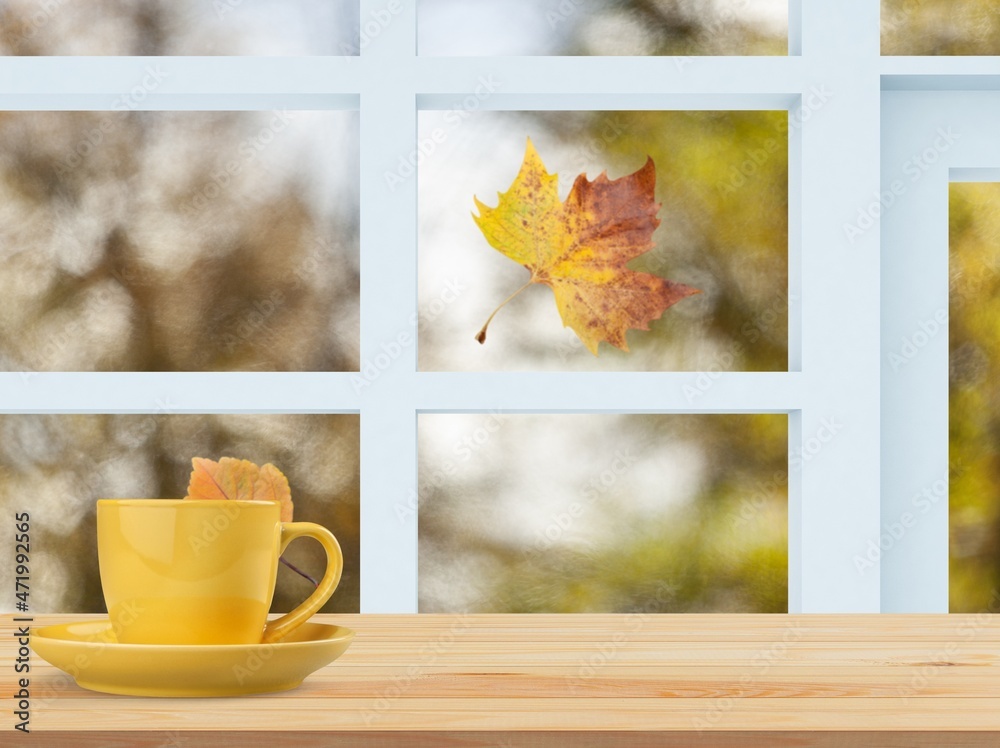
(201, 572)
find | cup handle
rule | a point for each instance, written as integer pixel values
(281, 627)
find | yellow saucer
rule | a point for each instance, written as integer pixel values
(90, 652)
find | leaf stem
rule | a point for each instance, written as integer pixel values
(481, 335)
(297, 570)
(289, 564)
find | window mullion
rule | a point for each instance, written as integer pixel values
(838, 457)
(388, 330)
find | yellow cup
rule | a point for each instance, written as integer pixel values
(201, 572)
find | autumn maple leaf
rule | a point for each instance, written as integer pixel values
(581, 248)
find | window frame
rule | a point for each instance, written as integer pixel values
(931, 139)
(835, 328)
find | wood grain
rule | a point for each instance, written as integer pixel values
(610, 680)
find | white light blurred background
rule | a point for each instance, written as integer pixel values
(471, 28)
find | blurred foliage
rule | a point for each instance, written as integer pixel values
(150, 28)
(602, 27)
(940, 27)
(724, 177)
(178, 241)
(57, 466)
(673, 514)
(672, 27)
(974, 338)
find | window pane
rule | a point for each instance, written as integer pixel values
(974, 334)
(179, 27)
(722, 180)
(940, 27)
(603, 513)
(56, 467)
(472, 28)
(179, 241)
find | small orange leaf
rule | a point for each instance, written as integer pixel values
(580, 248)
(239, 480)
(272, 485)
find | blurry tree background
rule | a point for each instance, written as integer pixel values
(57, 466)
(179, 241)
(974, 338)
(940, 27)
(602, 27)
(603, 513)
(179, 27)
(722, 178)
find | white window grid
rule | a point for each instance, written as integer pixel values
(835, 348)
(931, 138)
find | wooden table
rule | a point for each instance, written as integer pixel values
(641, 680)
